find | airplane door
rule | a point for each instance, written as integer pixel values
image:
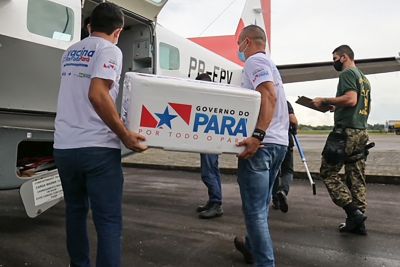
(148, 9)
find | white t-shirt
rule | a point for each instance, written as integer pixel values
(257, 69)
(77, 123)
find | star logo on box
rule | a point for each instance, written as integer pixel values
(158, 120)
(205, 119)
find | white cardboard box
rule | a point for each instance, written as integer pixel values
(188, 115)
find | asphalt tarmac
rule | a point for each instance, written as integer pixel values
(161, 227)
(382, 164)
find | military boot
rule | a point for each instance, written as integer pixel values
(360, 230)
(353, 222)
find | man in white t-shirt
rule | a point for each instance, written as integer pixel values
(87, 139)
(264, 151)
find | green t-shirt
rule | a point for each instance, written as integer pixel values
(353, 117)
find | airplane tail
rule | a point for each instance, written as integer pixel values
(256, 12)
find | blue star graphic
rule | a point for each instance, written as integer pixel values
(165, 118)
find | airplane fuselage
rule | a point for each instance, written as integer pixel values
(33, 37)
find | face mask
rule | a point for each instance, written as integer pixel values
(241, 54)
(338, 65)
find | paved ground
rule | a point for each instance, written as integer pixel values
(161, 227)
(382, 165)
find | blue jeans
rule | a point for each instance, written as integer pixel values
(256, 177)
(92, 178)
(285, 175)
(211, 177)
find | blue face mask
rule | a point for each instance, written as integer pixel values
(241, 56)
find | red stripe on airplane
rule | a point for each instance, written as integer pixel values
(225, 46)
(266, 7)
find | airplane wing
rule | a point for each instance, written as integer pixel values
(324, 70)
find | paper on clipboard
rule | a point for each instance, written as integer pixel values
(307, 102)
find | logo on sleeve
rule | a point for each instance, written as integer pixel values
(259, 73)
(110, 65)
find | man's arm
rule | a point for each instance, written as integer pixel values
(293, 124)
(293, 120)
(267, 109)
(349, 99)
(268, 102)
(104, 106)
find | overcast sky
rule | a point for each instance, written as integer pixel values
(307, 31)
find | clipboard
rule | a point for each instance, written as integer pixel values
(307, 102)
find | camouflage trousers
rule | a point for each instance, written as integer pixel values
(351, 187)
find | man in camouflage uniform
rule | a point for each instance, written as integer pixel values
(346, 144)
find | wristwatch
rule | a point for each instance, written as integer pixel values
(259, 134)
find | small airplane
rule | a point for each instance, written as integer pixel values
(35, 33)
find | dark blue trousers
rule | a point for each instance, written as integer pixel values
(92, 178)
(211, 177)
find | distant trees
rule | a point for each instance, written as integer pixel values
(372, 127)
(303, 127)
(377, 127)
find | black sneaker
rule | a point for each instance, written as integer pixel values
(214, 210)
(239, 245)
(275, 203)
(283, 205)
(203, 207)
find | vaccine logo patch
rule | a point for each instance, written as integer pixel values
(78, 58)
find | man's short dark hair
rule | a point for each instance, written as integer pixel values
(203, 77)
(84, 30)
(254, 32)
(344, 49)
(106, 18)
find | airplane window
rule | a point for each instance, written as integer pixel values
(169, 57)
(50, 19)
